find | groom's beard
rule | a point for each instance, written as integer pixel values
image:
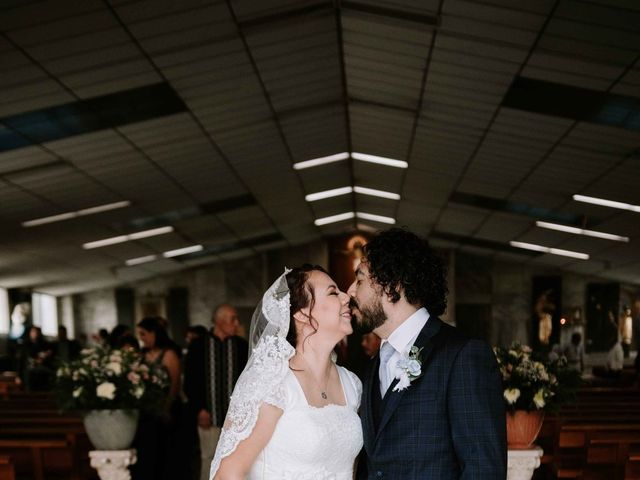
(371, 317)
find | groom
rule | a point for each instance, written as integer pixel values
(434, 411)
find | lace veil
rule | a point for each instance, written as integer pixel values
(262, 378)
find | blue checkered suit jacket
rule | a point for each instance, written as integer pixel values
(448, 424)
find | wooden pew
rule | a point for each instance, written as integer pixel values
(42, 442)
(37, 421)
(7, 470)
(8, 384)
(594, 451)
(576, 442)
(632, 467)
(31, 455)
(607, 454)
(76, 439)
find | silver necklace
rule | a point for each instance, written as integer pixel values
(323, 391)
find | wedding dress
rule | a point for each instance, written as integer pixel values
(311, 443)
(308, 443)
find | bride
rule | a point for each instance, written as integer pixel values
(293, 412)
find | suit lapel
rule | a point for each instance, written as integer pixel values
(424, 341)
(367, 417)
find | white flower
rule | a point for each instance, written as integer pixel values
(414, 368)
(138, 392)
(408, 368)
(115, 367)
(106, 390)
(511, 395)
(77, 392)
(403, 382)
(538, 399)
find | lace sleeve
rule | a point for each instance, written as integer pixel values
(263, 377)
(278, 397)
(261, 381)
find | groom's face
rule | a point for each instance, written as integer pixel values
(365, 300)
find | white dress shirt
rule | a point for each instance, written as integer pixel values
(402, 339)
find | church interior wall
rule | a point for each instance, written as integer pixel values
(239, 282)
(488, 298)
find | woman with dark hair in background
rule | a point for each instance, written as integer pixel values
(157, 439)
(35, 367)
(117, 333)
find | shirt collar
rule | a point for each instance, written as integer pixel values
(403, 337)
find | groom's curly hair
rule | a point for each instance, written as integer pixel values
(399, 261)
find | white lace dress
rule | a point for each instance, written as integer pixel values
(311, 443)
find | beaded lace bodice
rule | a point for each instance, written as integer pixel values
(311, 443)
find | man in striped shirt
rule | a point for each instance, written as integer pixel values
(212, 367)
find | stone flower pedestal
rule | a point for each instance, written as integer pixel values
(522, 462)
(113, 464)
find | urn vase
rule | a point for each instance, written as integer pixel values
(523, 428)
(111, 429)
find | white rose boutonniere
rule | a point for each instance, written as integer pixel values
(408, 368)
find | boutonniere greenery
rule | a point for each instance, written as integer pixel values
(408, 368)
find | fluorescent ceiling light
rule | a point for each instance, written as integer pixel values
(554, 251)
(125, 238)
(105, 242)
(150, 233)
(103, 208)
(139, 260)
(51, 219)
(355, 155)
(366, 228)
(79, 213)
(182, 251)
(320, 161)
(376, 218)
(336, 192)
(606, 203)
(349, 215)
(581, 231)
(376, 193)
(334, 218)
(379, 160)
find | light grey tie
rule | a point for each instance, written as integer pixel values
(386, 351)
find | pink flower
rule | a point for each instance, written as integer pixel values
(134, 378)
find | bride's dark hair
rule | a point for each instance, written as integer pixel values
(301, 295)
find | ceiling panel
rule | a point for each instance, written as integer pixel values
(263, 85)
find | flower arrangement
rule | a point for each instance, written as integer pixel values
(529, 383)
(105, 379)
(408, 369)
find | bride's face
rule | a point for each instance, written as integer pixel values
(331, 308)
